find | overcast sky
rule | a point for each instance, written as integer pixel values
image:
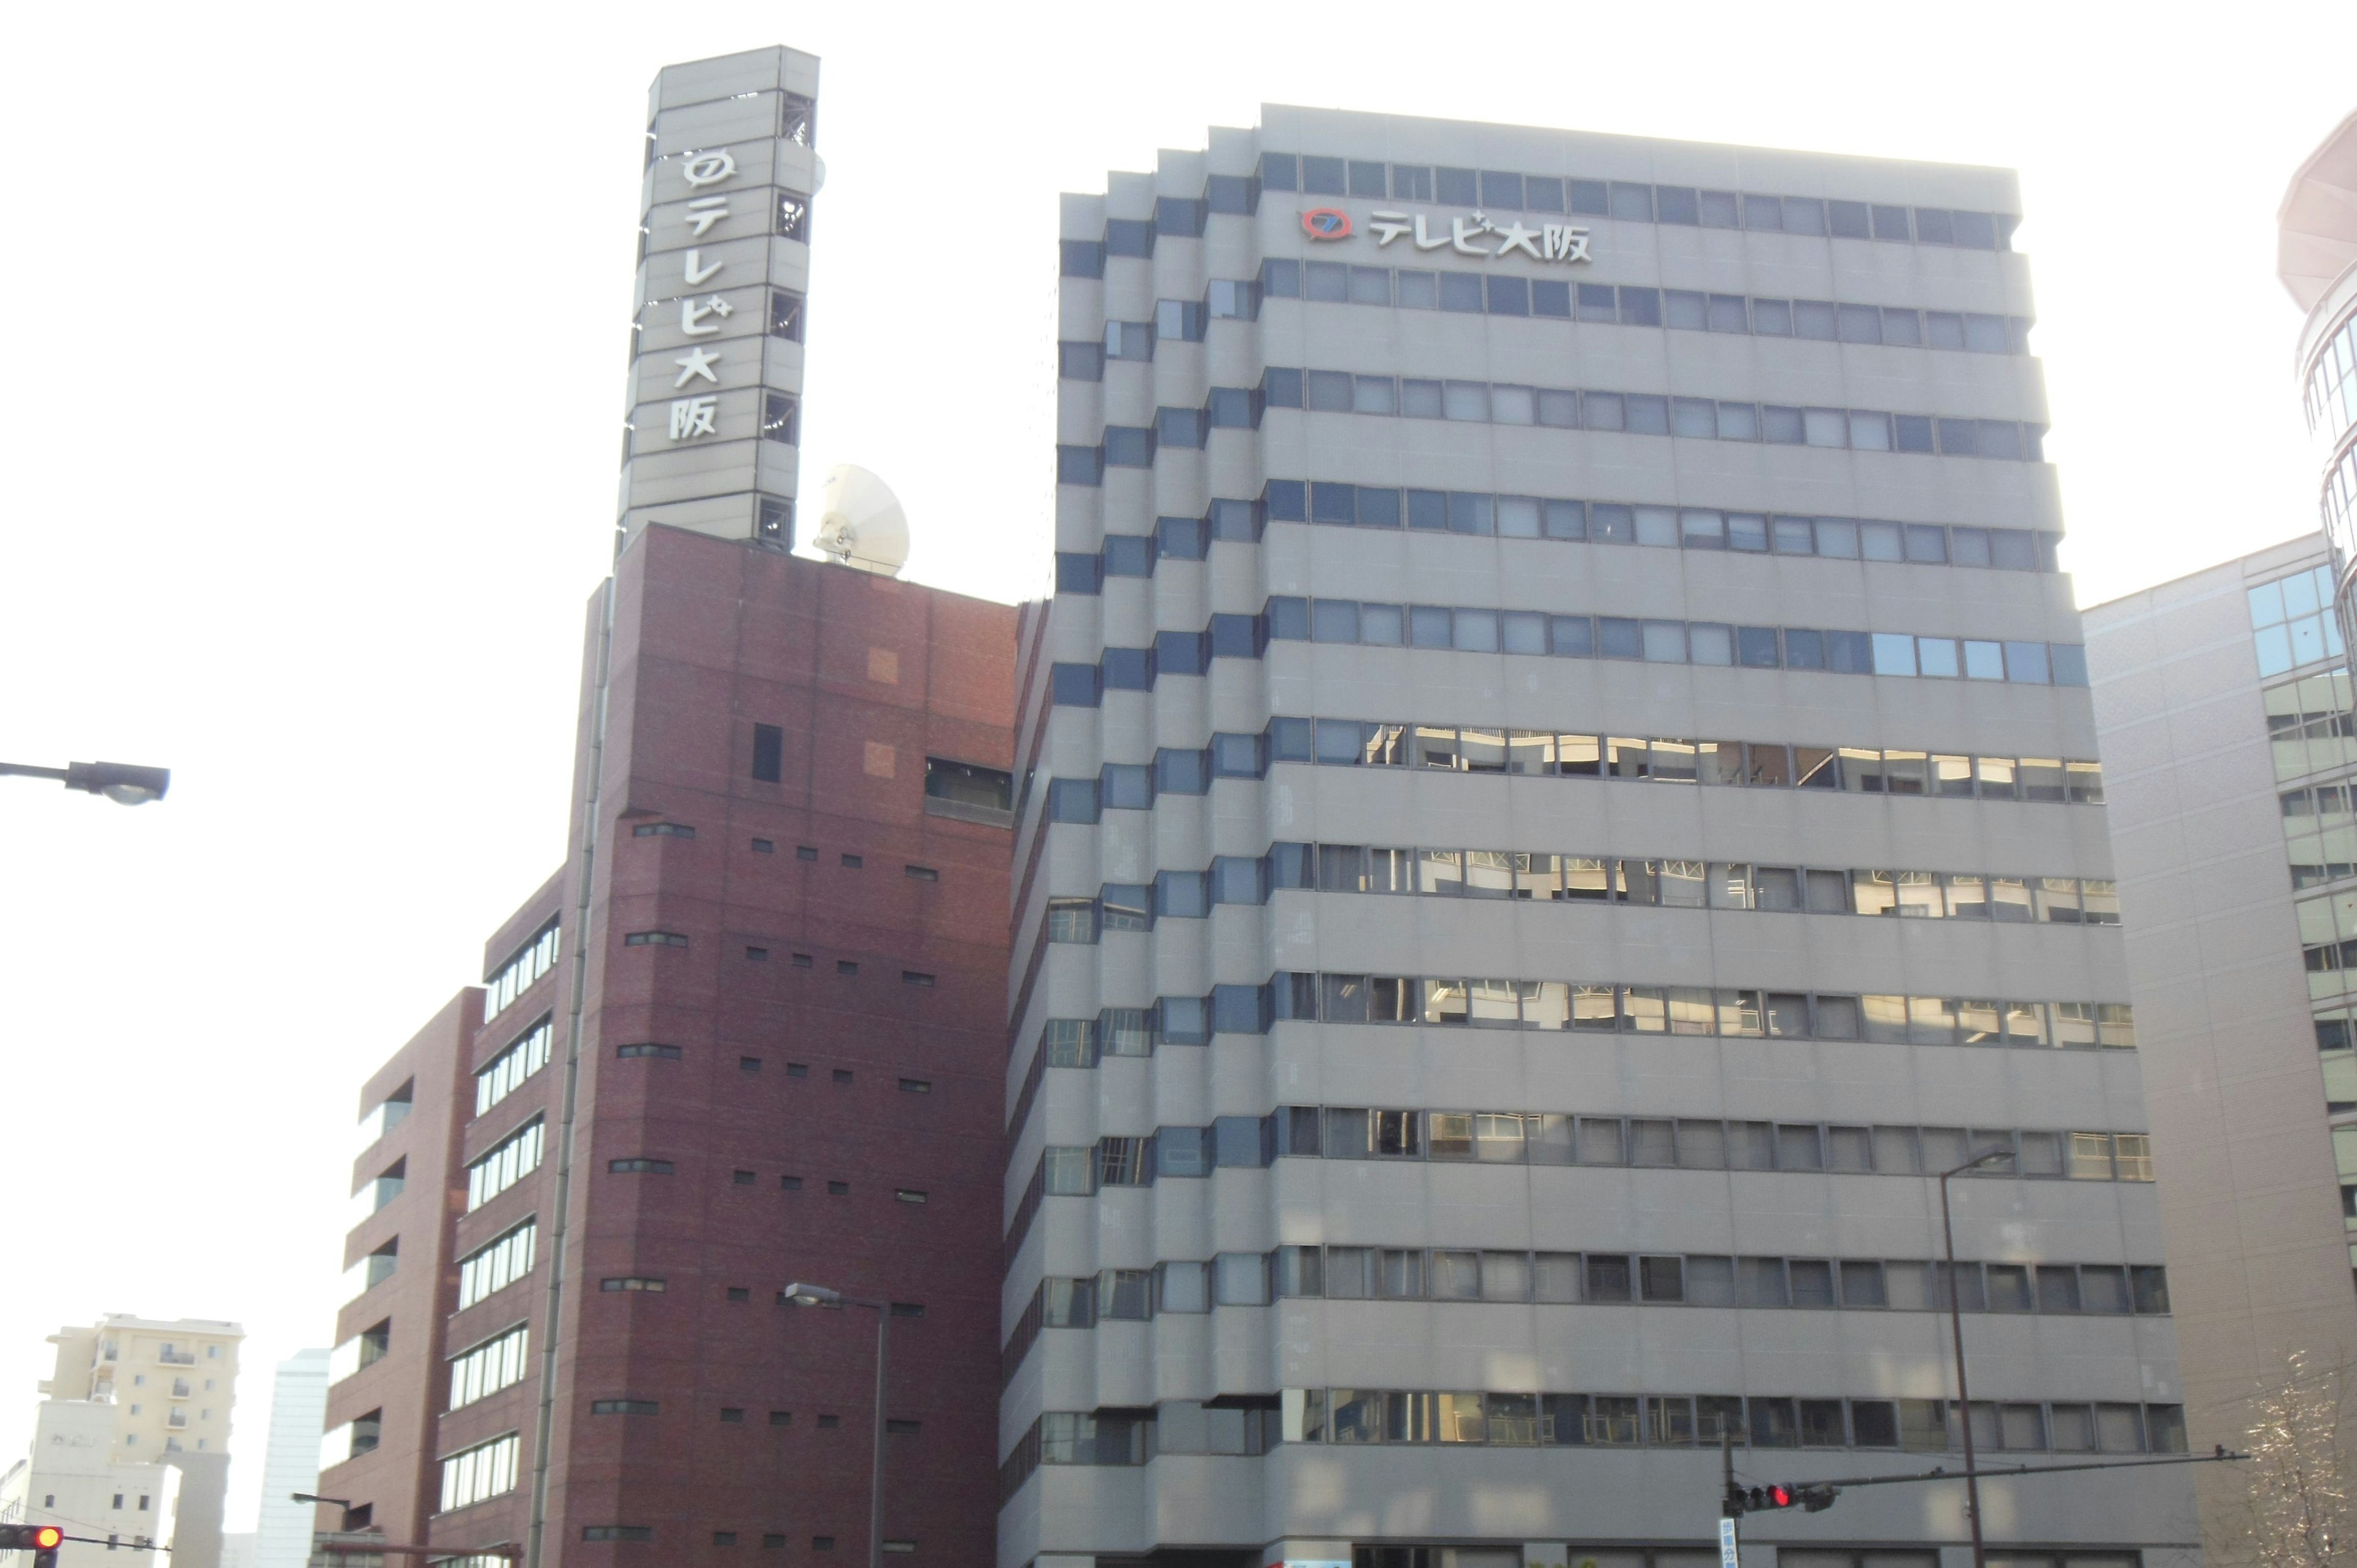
(314, 405)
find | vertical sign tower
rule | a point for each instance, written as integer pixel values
(712, 433)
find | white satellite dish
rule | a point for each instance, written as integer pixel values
(861, 523)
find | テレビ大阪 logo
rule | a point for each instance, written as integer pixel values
(1476, 234)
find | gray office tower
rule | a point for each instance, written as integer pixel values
(1559, 795)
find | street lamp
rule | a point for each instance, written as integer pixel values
(344, 1503)
(819, 1296)
(1956, 1325)
(123, 782)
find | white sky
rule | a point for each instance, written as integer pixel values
(313, 420)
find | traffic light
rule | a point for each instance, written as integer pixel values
(1741, 1500)
(31, 1537)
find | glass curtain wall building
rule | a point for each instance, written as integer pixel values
(1424, 1146)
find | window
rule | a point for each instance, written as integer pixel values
(915, 977)
(526, 1056)
(920, 874)
(916, 1086)
(654, 939)
(511, 978)
(493, 1365)
(510, 1161)
(624, 1284)
(498, 1263)
(768, 753)
(663, 830)
(474, 1474)
(969, 790)
(664, 1053)
(781, 418)
(740, 1178)
(639, 1165)
(908, 1195)
(618, 1532)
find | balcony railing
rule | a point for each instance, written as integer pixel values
(173, 1357)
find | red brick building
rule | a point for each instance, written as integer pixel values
(752, 1033)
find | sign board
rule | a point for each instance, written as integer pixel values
(1727, 1552)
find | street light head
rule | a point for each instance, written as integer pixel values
(813, 1296)
(1988, 1158)
(122, 782)
(307, 1497)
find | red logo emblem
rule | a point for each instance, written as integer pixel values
(1326, 224)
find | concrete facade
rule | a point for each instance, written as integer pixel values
(1304, 1265)
(2216, 736)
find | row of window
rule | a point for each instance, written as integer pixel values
(498, 1263)
(1633, 202)
(643, 1165)
(1624, 202)
(1514, 873)
(515, 977)
(1571, 521)
(509, 1069)
(497, 1363)
(1731, 1013)
(775, 1540)
(2331, 393)
(515, 1156)
(2338, 502)
(486, 1470)
(1539, 633)
(1471, 1275)
(1354, 743)
(1727, 1013)
(2292, 621)
(1505, 294)
(1549, 1138)
(1518, 1419)
(1637, 413)
(1678, 1421)
(1644, 413)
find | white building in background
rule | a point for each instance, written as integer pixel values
(142, 1394)
(290, 1464)
(236, 1550)
(76, 1478)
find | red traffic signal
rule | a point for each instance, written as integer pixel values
(1742, 1501)
(31, 1537)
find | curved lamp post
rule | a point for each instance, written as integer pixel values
(124, 783)
(802, 1294)
(1957, 1326)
